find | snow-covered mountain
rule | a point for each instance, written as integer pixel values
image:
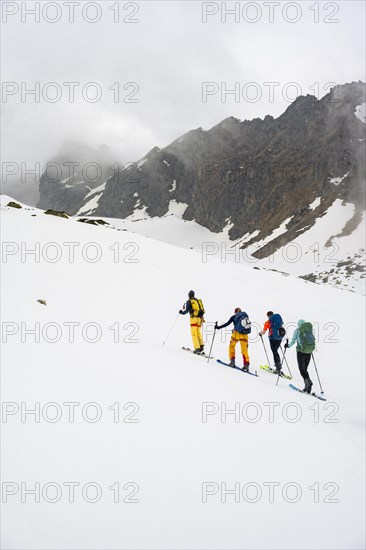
(288, 192)
(164, 450)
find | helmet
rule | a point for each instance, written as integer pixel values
(191, 294)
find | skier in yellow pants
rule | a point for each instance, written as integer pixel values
(242, 327)
(194, 307)
(196, 325)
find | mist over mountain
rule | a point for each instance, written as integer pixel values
(252, 175)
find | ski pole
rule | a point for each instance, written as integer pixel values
(171, 328)
(320, 384)
(213, 338)
(278, 377)
(279, 372)
(265, 351)
(284, 359)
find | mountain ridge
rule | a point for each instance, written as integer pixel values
(251, 174)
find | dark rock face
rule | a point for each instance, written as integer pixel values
(255, 174)
(71, 176)
(92, 221)
(13, 204)
(60, 197)
(57, 213)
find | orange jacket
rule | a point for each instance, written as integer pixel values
(267, 326)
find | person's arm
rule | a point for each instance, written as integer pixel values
(186, 309)
(294, 338)
(218, 327)
(266, 326)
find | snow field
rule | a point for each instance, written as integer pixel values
(186, 450)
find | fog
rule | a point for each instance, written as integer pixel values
(160, 54)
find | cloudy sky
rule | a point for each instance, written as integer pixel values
(139, 70)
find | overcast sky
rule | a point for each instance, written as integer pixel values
(169, 52)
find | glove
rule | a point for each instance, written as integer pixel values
(286, 345)
(217, 326)
(181, 312)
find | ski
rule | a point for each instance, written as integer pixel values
(310, 394)
(237, 368)
(198, 354)
(272, 371)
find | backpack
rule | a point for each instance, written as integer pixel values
(278, 330)
(242, 323)
(197, 307)
(306, 338)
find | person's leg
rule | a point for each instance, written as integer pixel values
(308, 382)
(303, 360)
(195, 339)
(244, 351)
(275, 344)
(233, 342)
(301, 364)
(199, 333)
(307, 360)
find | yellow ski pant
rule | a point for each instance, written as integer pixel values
(196, 324)
(243, 339)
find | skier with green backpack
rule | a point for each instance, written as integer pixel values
(305, 344)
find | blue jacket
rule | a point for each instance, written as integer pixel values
(231, 320)
(188, 308)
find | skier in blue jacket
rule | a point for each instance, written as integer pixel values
(239, 334)
(275, 339)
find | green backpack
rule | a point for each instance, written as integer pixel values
(306, 338)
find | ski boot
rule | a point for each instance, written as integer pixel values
(246, 367)
(308, 385)
(202, 349)
(232, 363)
(197, 351)
(277, 369)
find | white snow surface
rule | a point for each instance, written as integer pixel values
(315, 203)
(276, 233)
(95, 194)
(337, 181)
(170, 452)
(310, 252)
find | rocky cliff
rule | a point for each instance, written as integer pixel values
(253, 174)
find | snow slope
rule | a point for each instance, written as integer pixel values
(317, 251)
(178, 462)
